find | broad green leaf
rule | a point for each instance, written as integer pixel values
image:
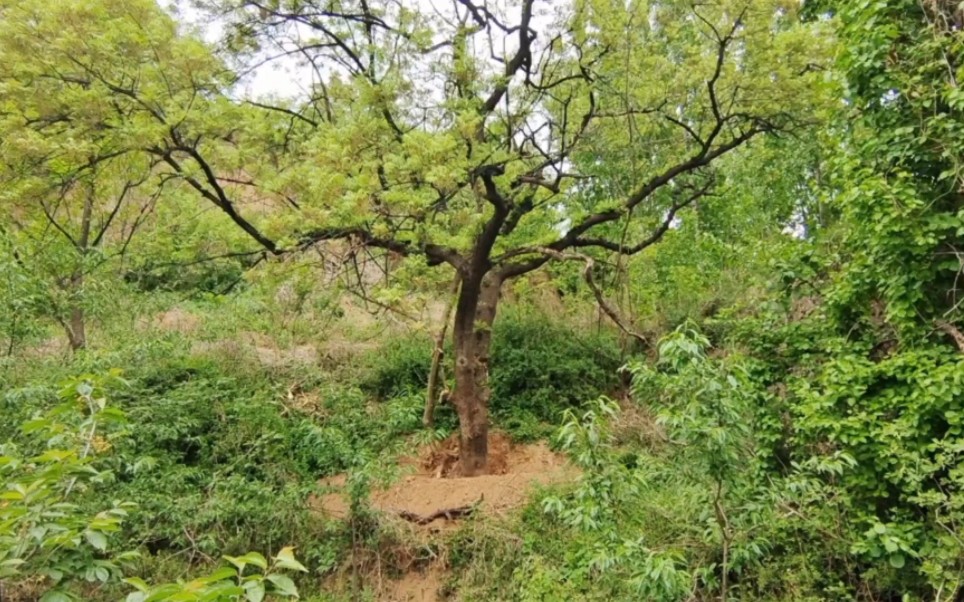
(286, 560)
(254, 591)
(250, 558)
(96, 539)
(283, 585)
(137, 583)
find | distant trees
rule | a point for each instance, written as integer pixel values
(94, 101)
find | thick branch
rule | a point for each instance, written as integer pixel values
(436, 254)
(216, 194)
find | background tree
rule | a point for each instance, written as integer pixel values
(93, 96)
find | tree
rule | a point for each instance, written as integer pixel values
(88, 95)
(492, 137)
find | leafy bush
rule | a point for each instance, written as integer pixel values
(229, 583)
(48, 539)
(538, 368)
(541, 367)
(214, 464)
(400, 366)
(44, 529)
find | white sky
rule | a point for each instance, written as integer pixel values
(286, 77)
(283, 78)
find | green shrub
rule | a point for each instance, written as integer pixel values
(539, 368)
(398, 367)
(214, 463)
(197, 278)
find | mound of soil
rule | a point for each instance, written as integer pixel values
(514, 470)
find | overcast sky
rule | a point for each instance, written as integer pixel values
(282, 77)
(285, 77)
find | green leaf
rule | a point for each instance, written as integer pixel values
(897, 561)
(219, 575)
(286, 560)
(96, 539)
(138, 583)
(249, 558)
(55, 596)
(254, 591)
(284, 585)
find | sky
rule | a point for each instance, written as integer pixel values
(282, 78)
(287, 78)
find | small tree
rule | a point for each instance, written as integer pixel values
(75, 187)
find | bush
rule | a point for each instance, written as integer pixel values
(539, 368)
(398, 367)
(212, 461)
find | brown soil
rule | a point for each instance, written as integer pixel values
(434, 485)
(514, 470)
(415, 586)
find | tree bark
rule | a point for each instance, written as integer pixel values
(472, 335)
(76, 327)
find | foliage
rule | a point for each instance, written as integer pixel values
(228, 583)
(22, 295)
(44, 531)
(792, 434)
(539, 368)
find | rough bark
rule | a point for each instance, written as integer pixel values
(77, 326)
(77, 331)
(472, 336)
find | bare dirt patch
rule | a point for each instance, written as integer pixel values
(415, 586)
(177, 320)
(434, 487)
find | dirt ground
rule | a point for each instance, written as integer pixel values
(514, 471)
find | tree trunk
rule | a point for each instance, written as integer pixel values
(77, 326)
(472, 335)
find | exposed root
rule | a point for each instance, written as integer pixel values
(446, 513)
